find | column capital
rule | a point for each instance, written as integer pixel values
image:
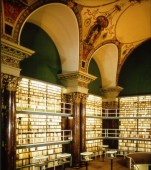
(11, 55)
(76, 81)
(9, 82)
(110, 93)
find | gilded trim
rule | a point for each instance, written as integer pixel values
(13, 53)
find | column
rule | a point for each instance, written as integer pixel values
(9, 86)
(110, 102)
(76, 84)
(76, 130)
(83, 123)
(11, 55)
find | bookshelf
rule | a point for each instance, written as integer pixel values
(39, 113)
(135, 117)
(93, 123)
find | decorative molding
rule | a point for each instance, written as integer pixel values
(12, 54)
(110, 93)
(76, 81)
(9, 82)
(76, 97)
(10, 70)
(109, 104)
(84, 99)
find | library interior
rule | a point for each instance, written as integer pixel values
(75, 84)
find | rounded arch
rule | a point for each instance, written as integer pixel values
(45, 63)
(106, 58)
(60, 23)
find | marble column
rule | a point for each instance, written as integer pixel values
(83, 123)
(76, 130)
(9, 87)
(76, 84)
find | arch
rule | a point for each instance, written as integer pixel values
(45, 63)
(54, 19)
(106, 58)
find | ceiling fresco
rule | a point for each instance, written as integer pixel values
(81, 29)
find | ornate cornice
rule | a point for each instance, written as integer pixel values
(79, 75)
(12, 54)
(76, 81)
(110, 93)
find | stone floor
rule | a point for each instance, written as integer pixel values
(98, 164)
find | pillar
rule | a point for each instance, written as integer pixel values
(109, 101)
(83, 123)
(76, 84)
(76, 130)
(9, 86)
(11, 55)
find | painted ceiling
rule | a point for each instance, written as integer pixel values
(105, 30)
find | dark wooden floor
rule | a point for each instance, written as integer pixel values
(98, 164)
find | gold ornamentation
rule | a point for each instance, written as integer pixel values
(79, 97)
(9, 82)
(12, 53)
(76, 97)
(84, 98)
(110, 105)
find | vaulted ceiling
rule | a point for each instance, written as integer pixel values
(122, 26)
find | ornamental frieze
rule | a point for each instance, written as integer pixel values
(12, 54)
(83, 84)
(77, 76)
(110, 105)
(10, 61)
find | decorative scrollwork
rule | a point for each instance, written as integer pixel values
(9, 82)
(110, 105)
(12, 53)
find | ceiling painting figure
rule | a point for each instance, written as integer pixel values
(94, 32)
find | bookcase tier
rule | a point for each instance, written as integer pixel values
(137, 123)
(93, 123)
(39, 134)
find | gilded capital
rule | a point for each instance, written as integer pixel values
(84, 98)
(76, 97)
(9, 81)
